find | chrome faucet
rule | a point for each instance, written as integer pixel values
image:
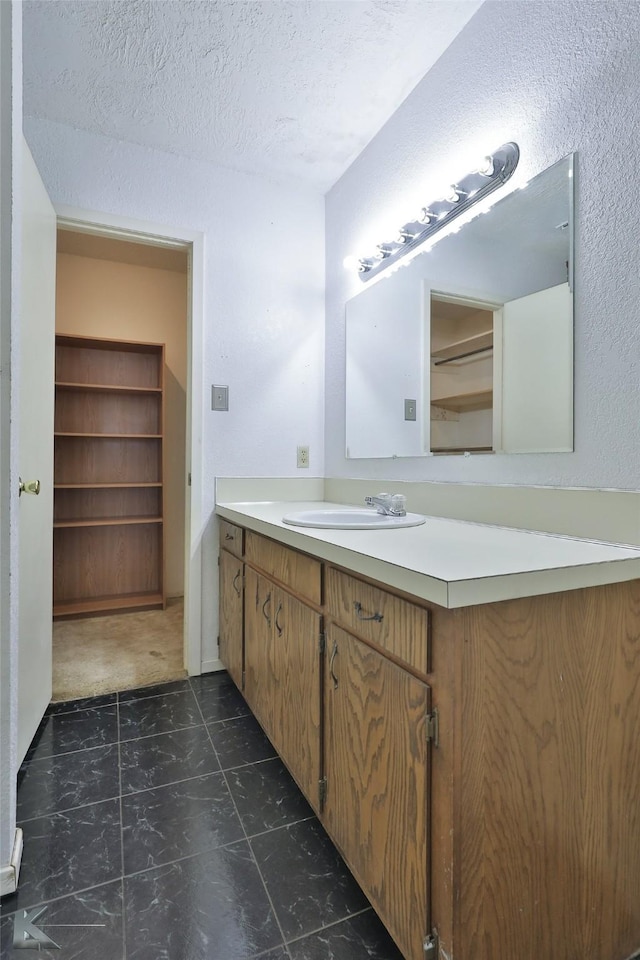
(388, 505)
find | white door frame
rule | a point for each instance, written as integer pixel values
(141, 231)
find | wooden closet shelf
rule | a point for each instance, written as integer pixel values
(467, 449)
(104, 522)
(478, 343)
(113, 436)
(104, 486)
(478, 400)
(105, 388)
(107, 604)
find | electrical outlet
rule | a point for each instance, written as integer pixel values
(303, 456)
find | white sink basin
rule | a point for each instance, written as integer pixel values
(350, 519)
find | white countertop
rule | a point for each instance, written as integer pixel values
(453, 563)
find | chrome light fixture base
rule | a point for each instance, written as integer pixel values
(496, 169)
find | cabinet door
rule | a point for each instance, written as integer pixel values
(377, 770)
(231, 615)
(258, 647)
(296, 690)
(282, 676)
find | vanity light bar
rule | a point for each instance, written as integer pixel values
(492, 173)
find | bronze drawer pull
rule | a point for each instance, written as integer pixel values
(264, 612)
(228, 536)
(278, 627)
(233, 584)
(333, 657)
(378, 617)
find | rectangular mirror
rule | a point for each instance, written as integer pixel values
(469, 348)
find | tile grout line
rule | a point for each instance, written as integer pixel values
(130, 793)
(328, 926)
(145, 736)
(124, 905)
(247, 840)
(136, 873)
(64, 896)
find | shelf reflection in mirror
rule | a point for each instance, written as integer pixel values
(469, 348)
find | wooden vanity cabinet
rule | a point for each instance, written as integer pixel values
(478, 768)
(282, 675)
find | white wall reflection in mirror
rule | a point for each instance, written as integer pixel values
(469, 348)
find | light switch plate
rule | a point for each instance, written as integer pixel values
(410, 409)
(219, 397)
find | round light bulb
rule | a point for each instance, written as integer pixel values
(351, 262)
(487, 167)
(452, 196)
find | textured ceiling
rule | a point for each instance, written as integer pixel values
(292, 89)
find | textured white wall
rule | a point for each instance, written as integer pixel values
(555, 77)
(264, 295)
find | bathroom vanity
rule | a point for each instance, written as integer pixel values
(460, 704)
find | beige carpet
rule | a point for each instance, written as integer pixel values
(104, 654)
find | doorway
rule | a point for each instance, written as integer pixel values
(127, 285)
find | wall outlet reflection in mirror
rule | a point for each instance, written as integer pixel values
(479, 330)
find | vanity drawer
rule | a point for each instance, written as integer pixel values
(394, 624)
(298, 572)
(231, 537)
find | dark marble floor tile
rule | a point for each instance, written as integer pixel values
(219, 699)
(178, 820)
(280, 953)
(67, 852)
(208, 681)
(208, 907)
(82, 927)
(156, 690)
(267, 796)
(71, 780)
(78, 730)
(240, 741)
(86, 703)
(166, 758)
(142, 718)
(307, 879)
(358, 938)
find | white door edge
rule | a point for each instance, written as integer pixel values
(142, 231)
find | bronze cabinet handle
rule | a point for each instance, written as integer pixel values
(278, 627)
(334, 653)
(235, 580)
(228, 536)
(264, 612)
(378, 617)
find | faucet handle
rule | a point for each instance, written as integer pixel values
(398, 501)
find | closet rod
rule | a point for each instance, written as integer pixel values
(460, 356)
